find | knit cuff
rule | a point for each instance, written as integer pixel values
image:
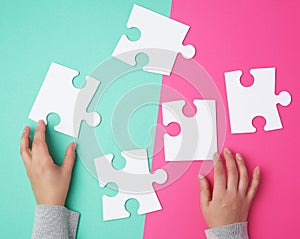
(52, 221)
(232, 231)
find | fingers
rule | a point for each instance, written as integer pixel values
(232, 172)
(254, 184)
(205, 192)
(69, 158)
(24, 145)
(39, 134)
(219, 174)
(244, 178)
(39, 146)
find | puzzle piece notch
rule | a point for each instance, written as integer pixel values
(58, 95)
(161, 39)
(259, 99)
(197, 139)
(134, 181)
(173, 129)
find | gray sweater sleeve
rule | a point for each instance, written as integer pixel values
(232, 231)
(51, 221)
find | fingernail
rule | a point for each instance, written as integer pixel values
(239, 156)
(257, 170)
(40, 122)
(74, 146)
(201, 176)
(216, 156)
(25, 129)
(226, 150)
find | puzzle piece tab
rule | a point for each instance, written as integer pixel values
(134, 181)
(198, 137)
(58, 95)
(245, 103)
(161, 40)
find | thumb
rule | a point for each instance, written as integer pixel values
(69, 157)
(205, 192)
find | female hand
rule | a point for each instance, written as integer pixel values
(49, 182)
(230, 200)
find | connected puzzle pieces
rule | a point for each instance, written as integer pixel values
(134, 181)
(198, 137)
(245, 103)
(161, 40)
(58, 95)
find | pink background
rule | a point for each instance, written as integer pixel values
(231, 35)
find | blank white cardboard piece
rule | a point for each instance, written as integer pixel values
(197, 139)
(133, 181)
(259, 99)
(58, 95)
(161, 40)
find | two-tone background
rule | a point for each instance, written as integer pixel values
(228, 35)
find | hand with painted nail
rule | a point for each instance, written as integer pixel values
(230, 200)
(49, 182)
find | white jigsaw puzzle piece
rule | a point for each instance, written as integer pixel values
(161, 40)
(198, 137)
(58, 95)
(259, 99)
(134, 181)
(114, 207)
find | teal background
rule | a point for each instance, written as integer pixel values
(80, 35)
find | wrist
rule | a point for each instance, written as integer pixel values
(47, 198)
(223, 224)
(51, 202)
